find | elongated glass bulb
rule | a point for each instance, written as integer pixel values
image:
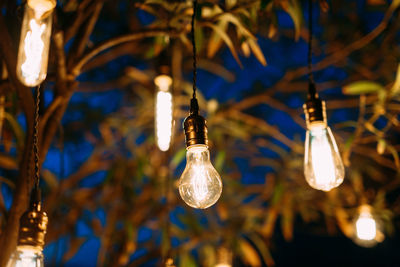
(34, 43)
(200, 185)
(26, 256)
(163, 112)
(323, 167)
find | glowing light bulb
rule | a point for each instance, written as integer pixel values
(367, 231)
(323, 167)
(200, 185)
(366, 227)
(163, 112)
(26, 256)
(34, 43)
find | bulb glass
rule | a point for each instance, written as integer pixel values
(163, 112)
(323, 167)
(34, 42)
(200, 185)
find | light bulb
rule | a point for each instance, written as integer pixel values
(367, 231)
(323, 167)
(163, 112)
(26, 256)
(200, 185)
(34, 43)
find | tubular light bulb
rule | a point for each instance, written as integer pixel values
(26, 256)
(367, 231)
(163, 112)
(200, 185)
(323, 167)
(34, 43)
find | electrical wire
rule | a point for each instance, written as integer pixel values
(36, 138)
(311, 88)
(194, 49)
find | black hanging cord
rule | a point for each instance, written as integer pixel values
(36, 139)
(194, 49)
(194, 106)
(312, 93)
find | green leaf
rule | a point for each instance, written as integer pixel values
(215, 41)
(227, 41)
(395, 154)
(263, 249)
(257, 51)
(395, 90)
(187, 261)
(220, 160)
(178, 157)
(293, 8)
(362, 87)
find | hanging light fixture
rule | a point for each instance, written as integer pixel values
(34, 43)
(164, 106)
(33, 222)
(367, 229)
(323, 167)
(200, 185)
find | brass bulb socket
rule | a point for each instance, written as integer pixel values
(195, 130)
(32, 230)
(314, 109)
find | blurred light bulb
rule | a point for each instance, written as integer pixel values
(34, 43)
(200, 185)
(26, 256)
(366, 228)
(164, 111)
(323, 167)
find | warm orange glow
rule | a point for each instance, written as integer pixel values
(35, 42)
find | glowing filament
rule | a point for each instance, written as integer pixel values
(34, 43)
(33, 46)
(323, 167)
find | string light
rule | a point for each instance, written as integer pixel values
(200, 185)
(34, 43)
(323, 166)
(33, 222)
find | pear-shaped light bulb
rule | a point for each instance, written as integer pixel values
(200, 185)
(163, 111)
(367, 230)
(323, 166)
(26, 256)
(34, 43)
